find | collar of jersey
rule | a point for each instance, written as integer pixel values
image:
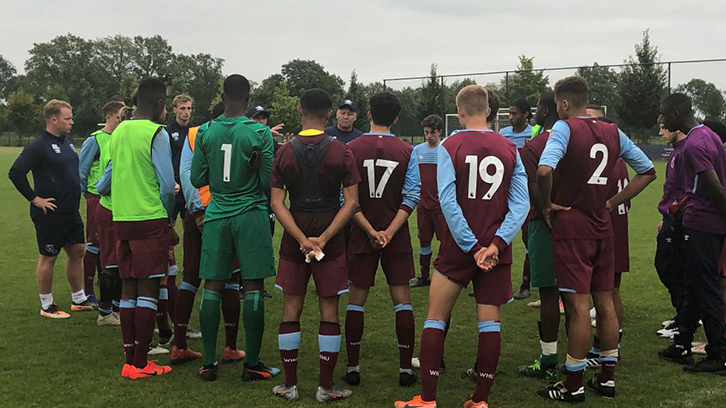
(692, 129)
(378, 134)
(471, 130)
(311, 132)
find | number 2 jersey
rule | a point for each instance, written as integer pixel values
(584, 151)
(483, 194)
(234, 157)
(389, 182)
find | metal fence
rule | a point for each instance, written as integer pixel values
(676, 72)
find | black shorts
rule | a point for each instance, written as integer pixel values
(180, 210)
(56, 230)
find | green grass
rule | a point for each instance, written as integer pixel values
(74, 363)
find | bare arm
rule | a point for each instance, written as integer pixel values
(634, 187)
(544, 185)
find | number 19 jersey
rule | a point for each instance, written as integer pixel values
(234, 157)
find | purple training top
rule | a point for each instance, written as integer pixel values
(703, 151)
(673, 188)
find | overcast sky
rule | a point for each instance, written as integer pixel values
(383, 39)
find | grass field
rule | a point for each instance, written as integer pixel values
(74, 363)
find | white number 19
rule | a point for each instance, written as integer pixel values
(477, 169)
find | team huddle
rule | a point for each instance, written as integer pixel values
(344, 199)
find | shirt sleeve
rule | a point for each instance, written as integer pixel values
(19, 171)
(161, 158)
(353, 176)
(89, 151)
(446, 183)
(104, 183)
(266, 158)
(518, 204)
(556, 146)
(411, 185)
(200, 166)
(191, 194)
(633, 155)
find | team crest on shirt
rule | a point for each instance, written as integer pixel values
(56, 148)
(50, 248)
(72, 147)
(175, 135)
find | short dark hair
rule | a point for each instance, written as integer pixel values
(316, 102)
(493, 100)
(680, 102)
(718, 128)
(236, 87)
(384, 108)
(574, 89)
(433, 121)
(150, 91)
(523, 106)
(112, 107)
(217, 110)
(547, 99)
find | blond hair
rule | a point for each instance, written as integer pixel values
(181, 98)
(473, 100)
(53, 108)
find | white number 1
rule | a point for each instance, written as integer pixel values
(227, 149)
(389, 165)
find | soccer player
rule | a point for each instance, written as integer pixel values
(584, 151)
(704, 227)
(313, 167)
(596, 111)
(54, 205)
(90, 170)
(483, 193)
(345, 117)
(388, 192)
(142, 186)
(520, 130)
(429, 217)
(178, 130)
(670, 249)
(197, 200)
(233, 156)
(539, 242)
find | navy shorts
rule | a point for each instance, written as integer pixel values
(56, 230)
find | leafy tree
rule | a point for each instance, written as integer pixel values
(409, 123)
(24, 114)
(264, 94)
(641, 88)
(284, 109)
(199, 76)
(524, 83)
(357, 94)
(302, 75)
(114, 55)
(432, 101)
(152, 57)
(602, 83)
(7, 71)
(708, 101)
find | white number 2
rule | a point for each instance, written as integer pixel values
(596, 177)
(481, 169)
(227, 149)
(389, 165)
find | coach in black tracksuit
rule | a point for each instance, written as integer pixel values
(53, 160)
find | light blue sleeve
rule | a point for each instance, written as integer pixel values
(161, 158)
(518, 203)
(104, 183)
(633, 155)
(556, 145)
(446, 183)
(412, 184)
(89, 150)
(191, 194)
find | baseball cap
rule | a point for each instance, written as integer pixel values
(257, 110)
(347, 103)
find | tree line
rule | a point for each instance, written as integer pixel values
(88, 73)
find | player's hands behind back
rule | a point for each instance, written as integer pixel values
(487, 258)
(548, 213)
